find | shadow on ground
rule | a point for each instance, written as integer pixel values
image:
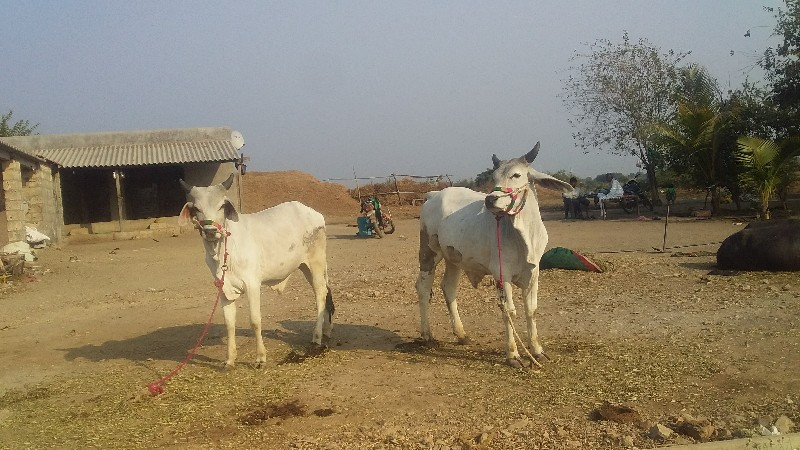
(174, 343)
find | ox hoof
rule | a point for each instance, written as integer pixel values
(260, 364)
(524, 362)
(430, 343)
(322, 346)
(227, 367)
(464, 340)
(517, 363)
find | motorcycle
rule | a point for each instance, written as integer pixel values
(633, 195)
(380, 218)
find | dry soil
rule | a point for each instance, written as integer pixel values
(658, 332)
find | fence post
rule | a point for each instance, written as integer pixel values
(358, 189)
(396, 189)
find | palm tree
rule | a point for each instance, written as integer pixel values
(696, 135)
(767, 165)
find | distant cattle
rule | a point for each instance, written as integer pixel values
(266, 247)
(462, 227)
(769, 245)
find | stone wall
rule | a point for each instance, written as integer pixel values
(32, 197)
(15, 202)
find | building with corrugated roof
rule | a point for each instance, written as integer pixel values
(28, 195)
(114, 182)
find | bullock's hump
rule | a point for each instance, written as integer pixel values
(448, 200)
(294, 210)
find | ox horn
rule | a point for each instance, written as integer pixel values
(495, 161)
(531, 155)
(228, 183)
(186, 187)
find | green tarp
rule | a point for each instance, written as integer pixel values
(564, 258)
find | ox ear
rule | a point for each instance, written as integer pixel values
(531, 155)
(228, 183)
(230, 211)
(546, 181)
(186, 187)
(495, 161)
(185, 217)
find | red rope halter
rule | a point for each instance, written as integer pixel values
(157, 387)
(514, 194)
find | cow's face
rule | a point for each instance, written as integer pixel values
(512, 180)
(208, 208)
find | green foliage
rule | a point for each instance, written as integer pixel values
(563, 175)
(767, 165)
(607, 177)
(614, 92)
(20, 128)
(484, 181)
(783, 68)
(697, 135)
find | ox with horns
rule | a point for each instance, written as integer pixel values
(260, 248)
(462, 227)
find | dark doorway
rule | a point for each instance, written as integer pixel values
(90, 195)
(152, 191)
(86, 195)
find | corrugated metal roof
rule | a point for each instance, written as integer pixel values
(142, 154)
(11, 152)
(132, 148)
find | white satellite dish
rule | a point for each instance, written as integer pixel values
(237, 140)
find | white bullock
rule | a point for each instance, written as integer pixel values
(262, 248)
(460, 226)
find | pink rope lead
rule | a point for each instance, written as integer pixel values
(499, 257)
(157, 387)
(501, 293)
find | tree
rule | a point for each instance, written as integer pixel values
(767, 166)
(484, 180)
(20, 128)
(615, 92)
(695, 135)
(782, 68)
(756, 115)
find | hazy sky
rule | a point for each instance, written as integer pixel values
(407, 87)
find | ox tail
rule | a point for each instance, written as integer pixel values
(329, 306)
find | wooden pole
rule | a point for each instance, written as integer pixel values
(239, 185)
(397, 189)
(358, 189)
(120, 206)
(666, 222)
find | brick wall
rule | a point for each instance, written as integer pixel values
(15, 203)
(32, 197)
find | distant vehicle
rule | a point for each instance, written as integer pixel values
(380, 218)
(633, 195)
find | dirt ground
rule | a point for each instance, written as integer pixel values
(656, 332)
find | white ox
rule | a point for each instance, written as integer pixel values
(263, 248)
(460, 226)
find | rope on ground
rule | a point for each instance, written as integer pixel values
(674, 247)
(501, 297)
(516, 335)
(157, 387)
(692, 245)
